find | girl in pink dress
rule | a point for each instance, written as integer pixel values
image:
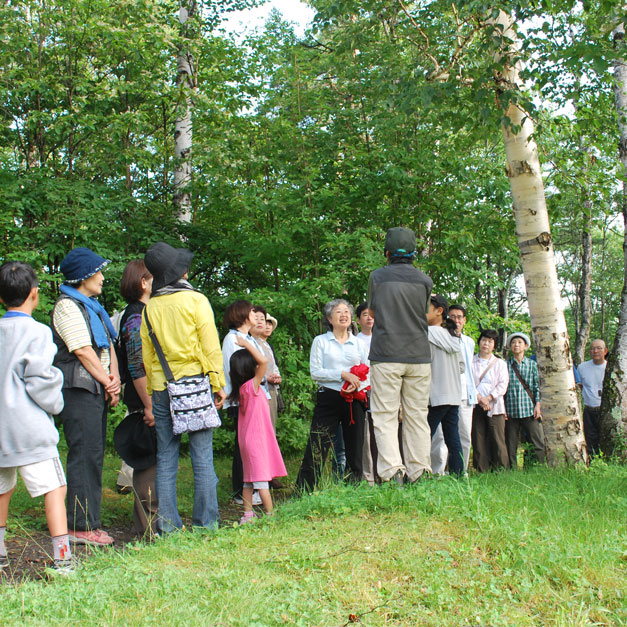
(261, 456)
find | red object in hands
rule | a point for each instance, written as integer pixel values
(361, 371)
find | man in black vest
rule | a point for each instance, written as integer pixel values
(400, 357)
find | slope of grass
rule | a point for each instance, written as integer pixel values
(538, 548)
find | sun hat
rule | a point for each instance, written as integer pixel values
(136, 442)
(523, 336)
(166, 264)
(81, 263)
(272, 321)
(400, 241)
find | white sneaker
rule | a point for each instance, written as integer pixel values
(238, 500)
(256, 498)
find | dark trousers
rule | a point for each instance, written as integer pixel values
(146, 505)
(237, 468)
(330, 411)
(512, 435)
(489, 450)
(84, 419)
(448, 417)
(592, 429)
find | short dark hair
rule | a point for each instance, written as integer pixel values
(361, 309)
(131, 283)
(491, 334)
(459, 307)
(260, 309)
(237, 313)
(17, 279)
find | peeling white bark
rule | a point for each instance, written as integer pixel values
(183, 135)
(560, 408)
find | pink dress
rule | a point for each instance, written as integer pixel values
(261, 456)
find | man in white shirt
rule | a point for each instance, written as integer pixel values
(592, 373)
(439, 452)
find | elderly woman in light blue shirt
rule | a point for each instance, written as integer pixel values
(333, 354)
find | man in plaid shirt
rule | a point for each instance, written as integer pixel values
(521, 408)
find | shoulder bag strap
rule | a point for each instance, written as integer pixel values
(483, 374)
(522, 381)
(162, 360)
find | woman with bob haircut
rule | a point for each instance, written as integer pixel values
(488, 417)
(135, 287)
(333, 354)
(239, 319)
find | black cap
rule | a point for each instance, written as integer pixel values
(439, 301)
(400, 241)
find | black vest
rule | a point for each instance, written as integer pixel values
(131, 397)
(75, 375)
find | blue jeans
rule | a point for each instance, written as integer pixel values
(205, 512)
(448, 416)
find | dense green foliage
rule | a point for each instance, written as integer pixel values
(527, 549)
(305, 151)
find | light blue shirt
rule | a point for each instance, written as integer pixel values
(329, 358)
(468, 350)
(228, 348)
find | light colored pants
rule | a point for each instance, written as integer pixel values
(367, 463)
(397, 385)
(439, 452)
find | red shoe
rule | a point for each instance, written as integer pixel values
(93, 538)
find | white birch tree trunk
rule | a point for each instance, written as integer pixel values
(614, 399)
(560, 408)
(186, 82)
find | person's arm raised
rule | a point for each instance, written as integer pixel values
(259, 357)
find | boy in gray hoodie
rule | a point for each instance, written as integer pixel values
(30, 388)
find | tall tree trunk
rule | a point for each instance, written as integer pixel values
(582, 328)
(186, 82)
(560, 407)
(614, 399)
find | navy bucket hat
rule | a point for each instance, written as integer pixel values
(81, 263)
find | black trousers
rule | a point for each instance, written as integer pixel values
(330, 411)
(237, 468)
(84, 419)
(592, 429)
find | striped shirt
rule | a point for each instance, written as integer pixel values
(71, 326)
(517, 401)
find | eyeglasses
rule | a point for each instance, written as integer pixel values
(456, 317)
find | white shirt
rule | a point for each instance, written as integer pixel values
(592, 382)
(328, 359)
(366, 339)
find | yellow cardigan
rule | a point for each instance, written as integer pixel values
(184, 325)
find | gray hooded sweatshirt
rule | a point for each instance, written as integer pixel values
(447, 363)
(30, 389)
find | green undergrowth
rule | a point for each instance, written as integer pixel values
(538, 548)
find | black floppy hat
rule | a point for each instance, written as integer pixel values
(136, 442)
(167, 264)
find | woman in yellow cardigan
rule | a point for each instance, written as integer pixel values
(183, 322)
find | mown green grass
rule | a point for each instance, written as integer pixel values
(526, 548)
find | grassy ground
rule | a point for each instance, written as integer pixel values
(535, 548)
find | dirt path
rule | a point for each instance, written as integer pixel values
(30, 551)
